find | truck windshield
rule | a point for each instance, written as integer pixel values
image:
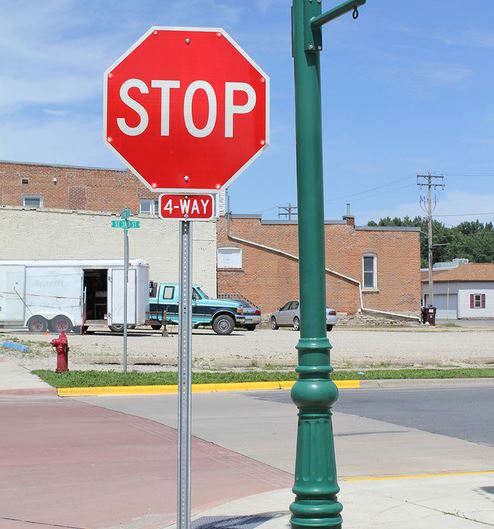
(201, 291)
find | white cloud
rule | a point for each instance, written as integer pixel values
(484, 39)
(72, 140)
(443, 74)
(59, 89)
(482, 141)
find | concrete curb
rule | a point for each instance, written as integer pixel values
(28, 392)
(426, 383)
(196, 388)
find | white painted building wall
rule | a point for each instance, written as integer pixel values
(61, 234)
(464, 310)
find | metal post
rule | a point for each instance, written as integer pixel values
(314, 392)
(184, 376)
(126, 280)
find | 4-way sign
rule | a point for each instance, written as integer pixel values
(187, 207)
(186, 109)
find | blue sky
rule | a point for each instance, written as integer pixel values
(407, 88)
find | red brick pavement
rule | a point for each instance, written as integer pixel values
(68, 464)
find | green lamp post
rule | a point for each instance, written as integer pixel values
(314, 392)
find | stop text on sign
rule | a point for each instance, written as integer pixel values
(199, 87)
(187, 207)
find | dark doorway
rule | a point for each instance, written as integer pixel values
(96, 294)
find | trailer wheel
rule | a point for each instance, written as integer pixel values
(118, 327)
(60, 323)
(223, 324)
(37, 324)
(156, 326)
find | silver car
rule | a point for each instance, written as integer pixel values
(289, 316)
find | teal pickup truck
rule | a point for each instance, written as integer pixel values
(221, 314)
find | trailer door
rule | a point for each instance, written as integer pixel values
(12, 293)
(116, 297)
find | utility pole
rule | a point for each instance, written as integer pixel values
(430, 182)
(287, 211)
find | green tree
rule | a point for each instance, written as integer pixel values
(472, 240)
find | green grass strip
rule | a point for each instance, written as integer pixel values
(113, 378)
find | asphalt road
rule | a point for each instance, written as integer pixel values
(465, 413)
(377, 432)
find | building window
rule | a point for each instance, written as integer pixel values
(477, 301)
(369, 266)
(24, 180)
(148, 206)
(229, 258)
(32, 201)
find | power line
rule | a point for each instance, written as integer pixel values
(335, 199)
(464, 214)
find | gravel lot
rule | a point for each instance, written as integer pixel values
(352, 348)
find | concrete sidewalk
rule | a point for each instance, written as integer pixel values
(71, 463)
(449, 501)
(15, 379)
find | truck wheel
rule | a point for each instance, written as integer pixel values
(60, 323)
(296, 324)
(37, 324)
(223, 324)
(274, 324)
(156, 326)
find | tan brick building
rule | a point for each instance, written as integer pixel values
(367, 267)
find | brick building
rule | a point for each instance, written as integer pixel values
(73, 188)
(375, 268)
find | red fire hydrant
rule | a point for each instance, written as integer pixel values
(62, 345)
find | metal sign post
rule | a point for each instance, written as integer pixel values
(184, 419)
(126, 284)
(125, 223)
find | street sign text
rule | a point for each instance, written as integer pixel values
(187, 207)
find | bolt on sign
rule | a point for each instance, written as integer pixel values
(187, 207)
(186, 109)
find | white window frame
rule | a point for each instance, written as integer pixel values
(32, 197)
(153, 206)
(374, 260)
(236, 258)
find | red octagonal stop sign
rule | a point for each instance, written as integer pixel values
(186, 109)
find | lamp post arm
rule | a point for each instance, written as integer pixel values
(317, 21)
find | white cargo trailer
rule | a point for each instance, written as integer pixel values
(72, 294)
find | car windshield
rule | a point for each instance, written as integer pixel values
(201, 291)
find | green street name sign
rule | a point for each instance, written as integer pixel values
(125, 224)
